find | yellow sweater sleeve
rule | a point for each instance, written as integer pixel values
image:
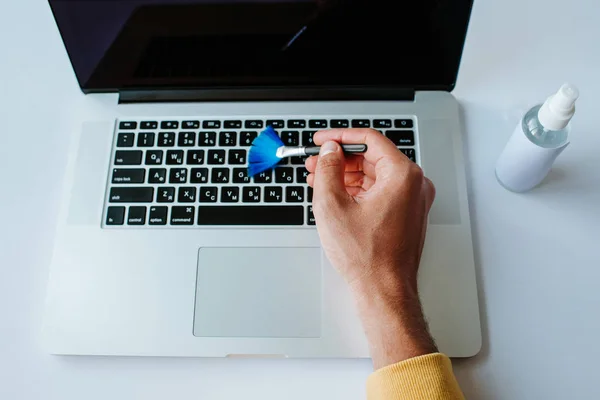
(428, 377)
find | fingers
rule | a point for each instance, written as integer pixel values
(354, 163)
(328, 181)
(358, 179)
(379, 147)
(351, 180)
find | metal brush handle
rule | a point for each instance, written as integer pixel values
(348, 149)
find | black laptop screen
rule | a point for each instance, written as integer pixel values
(119, 44)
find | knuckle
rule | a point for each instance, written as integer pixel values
(415, 173)
(371, 131)
(412, 176)
(431, 189)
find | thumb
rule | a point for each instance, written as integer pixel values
(329, 175)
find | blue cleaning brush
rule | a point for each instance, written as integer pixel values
(268, 149)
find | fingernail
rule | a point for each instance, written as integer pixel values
(328, 148)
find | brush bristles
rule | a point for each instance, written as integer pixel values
(263, 153)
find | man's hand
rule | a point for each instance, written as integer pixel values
(371, 212)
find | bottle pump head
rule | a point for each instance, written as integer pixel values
(559, 108)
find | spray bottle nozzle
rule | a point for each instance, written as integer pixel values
(564, 100)
(558, 110)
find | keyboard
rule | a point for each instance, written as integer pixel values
(188, 172)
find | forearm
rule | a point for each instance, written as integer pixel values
(393, 321)
(408, 365)
(395, 332)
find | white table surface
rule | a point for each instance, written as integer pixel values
(537, 254)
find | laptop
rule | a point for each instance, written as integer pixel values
(165, 246)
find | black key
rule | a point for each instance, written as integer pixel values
(220, 175)
(207, 139)
(251, 194)
(230, 195)
(301, 174)
(125, 139)
(182, 215)
(158, 215)
(273, 194)
(382, 123)
(276, 123)
(166, 139)
(216, 157)
(195, 157)
(149, 125)
(410, 153)
(178, 175)
(237, 157)
(174, 157)
(294, 194)
(146, 139)
(247, 137)
(296, 123)
(290, 138)
(127, 125)
(264, 177)
(251, 215)
(403, 123)
(126, 194)
(240, 175)
(208, 194)
(361, 123)
(169, 125)
(254, 124)
(227, 139)
(136, 215)
(186, 139)
(401, 138)
(284, 175)
(132, 175)
(186, 194)
(310, 194)
(115, 215)
(190, 125)
(298, 160)
(340, 123)
(199, 175)
(307, 138)
(165, 195)
(154, 157)
(310, 220)
(317, 123)
(125, 157)
(232, 124)
(157, 175)
(211, 125)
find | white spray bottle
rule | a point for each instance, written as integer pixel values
(540, 137)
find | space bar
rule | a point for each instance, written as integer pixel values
(250, 215)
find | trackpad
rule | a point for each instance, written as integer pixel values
(258, 292)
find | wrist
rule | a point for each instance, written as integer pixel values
(393, 321)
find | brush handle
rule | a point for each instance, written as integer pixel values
(348, 149)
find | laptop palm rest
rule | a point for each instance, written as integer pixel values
(258, 292)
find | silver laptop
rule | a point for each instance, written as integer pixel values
(165, 246)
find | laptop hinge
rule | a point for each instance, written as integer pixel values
(268, 94)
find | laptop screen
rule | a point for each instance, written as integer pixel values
(133, 44)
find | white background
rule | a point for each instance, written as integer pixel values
(537, 254)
